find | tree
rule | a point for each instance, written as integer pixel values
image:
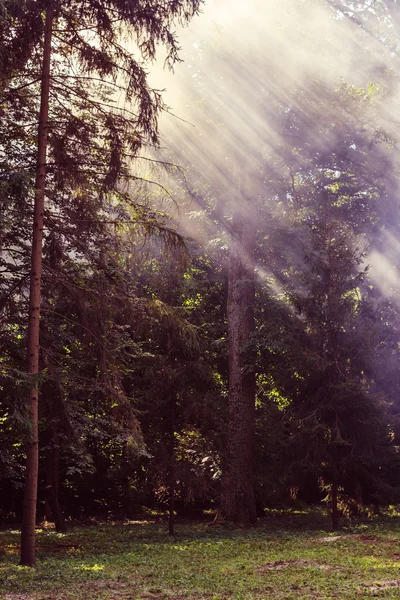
(237, 496)
(331, 193)
(91, 32)
(174, 382)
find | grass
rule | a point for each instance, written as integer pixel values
(289, 557)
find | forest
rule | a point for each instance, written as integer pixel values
(199, 298)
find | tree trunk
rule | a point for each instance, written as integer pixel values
(172, 473)
(237, 498)
(52, 479)
(28, 556)
(171, 516)
(335, 511)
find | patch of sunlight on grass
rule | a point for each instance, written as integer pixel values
(372, 562)
(144, 522)
(359, 527)
(95, 567)
(283, 512)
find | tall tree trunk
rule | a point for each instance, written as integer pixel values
(28, 555)
(237, 497)
(334, 500)
(171, 509)
(52, 483)
(172, 472)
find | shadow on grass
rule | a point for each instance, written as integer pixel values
(116, 537)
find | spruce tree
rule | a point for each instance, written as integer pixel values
(65, 46)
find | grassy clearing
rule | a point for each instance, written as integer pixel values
(286, 558)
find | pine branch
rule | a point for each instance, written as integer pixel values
(89, 78)
(97, 104)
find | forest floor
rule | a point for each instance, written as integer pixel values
(289, 556)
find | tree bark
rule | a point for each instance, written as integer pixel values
(171, 513)
(28, 555)
(237, 498)
(172, 473)
(334, 500)
(52, 481)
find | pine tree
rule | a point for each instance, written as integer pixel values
(341, 423)
(237, 495)
(86, 38)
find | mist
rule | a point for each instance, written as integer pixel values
(248, 71)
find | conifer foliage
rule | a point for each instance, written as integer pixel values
(253, 365)
(76, 57)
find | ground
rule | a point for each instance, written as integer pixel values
(288, 557)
